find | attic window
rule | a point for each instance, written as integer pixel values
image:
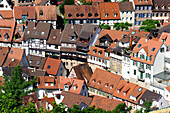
(41, 13)
(6, 36)
(106, 85)
(36, 33)
(48, 67)
(146, 0)
(30, 61)
(111, 87)
(94, 51)
(28, 32)
(94, 80)
(38, 63)
(77, 15)
(69, 15)
(96, 14)
(115, 15)
(140, 89)
(153, 49)
(81, 14)
(89, 15)
(13, 59)
(42, 33)
(139, 45)
(140, 0)
(0, 35)
(105, 15)
(99, 82)
(74, 87)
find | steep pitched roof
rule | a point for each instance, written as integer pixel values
(104, 78)
(36, 61)
(3, 54)
(46, 12)
(81, 11)
(126, 6)
(98, 50)
(166, 37)
(14, 57)
(55, 37)
(111, 9)
(105, 103)
(151, 44)
(52, 66)
(168, 88)
(24, 10)
(38, 30)
(143, 2)
(83, 71)
(160, 4)
(6, 14)
(71, 98)
(6, 30)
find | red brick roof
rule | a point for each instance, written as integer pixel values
(109, 8)
(6, 14)
(166, 37)
(168, 88)
(52, 65)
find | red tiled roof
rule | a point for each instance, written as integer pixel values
(24, 10)
(52, 65)
(166, 37)
(6, 29)
(6, 14)
(150, 44)
(168, 88)
(143, 2)
(104, 78)
(109, 8)
(3, 54)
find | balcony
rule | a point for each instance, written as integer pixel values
(104, 45)
(141, 69)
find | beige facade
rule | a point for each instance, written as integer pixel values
(116, 65)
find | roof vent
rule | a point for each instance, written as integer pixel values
(13, 59)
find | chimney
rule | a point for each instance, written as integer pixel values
(26, 23)
(130, 42)
(8, 48)
(34, 69)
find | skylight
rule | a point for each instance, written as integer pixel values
(139, 45)
(133, 32)
(153, 49)
(48, 67)
(140, 89)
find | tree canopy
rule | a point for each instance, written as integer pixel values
(86, 3)
(105, 26)
(122, 26)
(149, 25)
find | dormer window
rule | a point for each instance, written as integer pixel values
(6, 36)
(69, 15)
(124, 93)
(163, 7)
(106, 54)
(115, 15)
(106, 15)
(106, 85)
(81, 14)
(94, 51)
(156, 6)
(38, 63)
(140, 0)
(77, 15)
(96, 14)
(118, 91)
(169, 6)
(146, 0)
(41, 13)
(111, 87)
(100, 52)
(30, 61)
(99, 82)
(66, 87)
(42, 33)
(89, 15)
(94, 80)
(28, 32)
(74, 87)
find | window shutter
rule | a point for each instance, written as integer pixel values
(143, 65)
(133, 62)
(140, 56)
(140, 65)
(146, 66)
(146, 75)
(133, 54)
(146, 57)
(136, 63)
(150, 67)
(149, 76)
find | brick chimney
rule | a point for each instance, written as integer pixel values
(130, 42)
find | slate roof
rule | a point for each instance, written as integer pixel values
(55, 37)
(143, 2)
(161, 3)
(126, 6)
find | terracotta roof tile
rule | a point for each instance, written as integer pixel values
(166, 37)
(6, 30)
(6, 14)
(3, 54)
(126, 6)
(24, 10)
(104, 78)
(81, 11)
(52, 65)
(168, 88)
(109, 8)
(98, 50)
(46, 12)
(150, 44)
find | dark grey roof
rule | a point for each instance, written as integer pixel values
(165, 29)
(126, 6)
(165, 75)
(55, 37)
(149, 95)
(36, 61)
(36, 30)
(161, 3)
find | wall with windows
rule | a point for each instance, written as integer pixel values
(127, 16)
(126, 67)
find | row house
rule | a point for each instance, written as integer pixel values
(79, 14)
(54, 67)
(115, 87)
(127, 12)
(161, 10)
(46, 14)
(70, 99)
(147, 59)
(6, 32)
(35, 37)
(81, 71)
(109, 13)
(99, 56)
(49, 86)
(143, 11)
(87, 38)
(68, 41)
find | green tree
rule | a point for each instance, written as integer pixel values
(13, 90)
(58, 108)
(105, 26)
(121, 108)
(149, 25)
(122, 26)
(86, 3)
(147, 105)
(66, 2)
